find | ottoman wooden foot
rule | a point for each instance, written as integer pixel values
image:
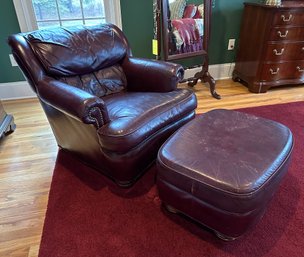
(171, 209)
(224, 237)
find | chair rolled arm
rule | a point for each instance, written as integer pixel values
(73, 101)
(151, 75)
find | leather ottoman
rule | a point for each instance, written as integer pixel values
(222, 168)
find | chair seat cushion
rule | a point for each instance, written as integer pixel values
(137, 116)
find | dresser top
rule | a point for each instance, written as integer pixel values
(284, 5)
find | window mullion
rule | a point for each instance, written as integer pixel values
(82, 13)
(58, 12)
(71, 19)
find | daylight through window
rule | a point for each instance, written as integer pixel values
(50, 13)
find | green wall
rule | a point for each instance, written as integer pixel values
(225, 24)
(137, 19)
(8, 25)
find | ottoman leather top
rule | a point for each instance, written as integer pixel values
(227, 150)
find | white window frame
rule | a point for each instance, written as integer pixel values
(27, 21)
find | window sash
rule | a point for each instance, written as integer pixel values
(27, 19)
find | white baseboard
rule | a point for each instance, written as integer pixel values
(16, 90)
(21, 89)
(217, 71)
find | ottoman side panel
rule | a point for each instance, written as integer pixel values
(227, 223)
(236, 203)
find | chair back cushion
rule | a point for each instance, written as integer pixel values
(86, 57)
(77, 50)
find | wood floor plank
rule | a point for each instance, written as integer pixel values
(27, 159)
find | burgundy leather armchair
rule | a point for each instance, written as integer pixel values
(109, 109)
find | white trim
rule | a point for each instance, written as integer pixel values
(221, 71)
(21, 89)
(113, 12)
(16, 90)
(217, 71)
(27, 22)
(25, 15)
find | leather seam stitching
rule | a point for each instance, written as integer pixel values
(93, 118)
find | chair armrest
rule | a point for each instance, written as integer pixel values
(151, 75)
(73, 101)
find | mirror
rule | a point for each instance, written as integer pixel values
(185, 28)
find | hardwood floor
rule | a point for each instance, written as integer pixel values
(28, 155)
(27, 158)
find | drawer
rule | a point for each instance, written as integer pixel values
(290, 17)
(285, 51)
(284, 70)
(288, 33)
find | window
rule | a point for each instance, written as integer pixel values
(39, 14)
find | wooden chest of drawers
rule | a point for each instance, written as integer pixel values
(271, 46)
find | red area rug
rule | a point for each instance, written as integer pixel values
(88, 216)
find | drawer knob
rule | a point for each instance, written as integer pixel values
(303, 48)
(274, 72)
(299, 69)
(285, 19)
(276, 52)
(283, 35)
